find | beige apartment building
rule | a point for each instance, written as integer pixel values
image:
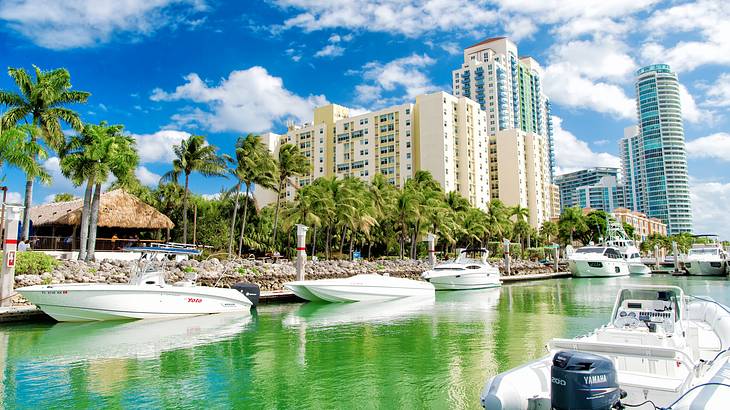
(643, 225)
(441, 134)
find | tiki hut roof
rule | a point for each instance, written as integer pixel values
(118, 209)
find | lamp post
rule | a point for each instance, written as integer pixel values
(10, 247)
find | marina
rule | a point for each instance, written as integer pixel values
(435, 354)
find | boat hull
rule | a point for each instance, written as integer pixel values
(638, 268)
(361, 288)
(302, 292)
(461, 281)
(705, 268)
(582, 269)
(93, 302)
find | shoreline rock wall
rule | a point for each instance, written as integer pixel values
(269, 276)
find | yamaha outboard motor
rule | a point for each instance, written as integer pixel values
(250, 290)
(583, 381)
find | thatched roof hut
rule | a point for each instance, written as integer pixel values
(118, 209)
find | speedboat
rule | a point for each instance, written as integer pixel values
(706, 260)
(661, 349)
(359, 288)
(598, 261)
(146, 296)
(470, 270)
(616, 237)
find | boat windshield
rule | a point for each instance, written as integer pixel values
(645, 304)
(703, 251)
(589, 249)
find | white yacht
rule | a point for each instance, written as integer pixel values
(617, 238)
(146, 296)
(706, 260)
(597, 261)
(359, 288)
(470, 270)
(661, 348)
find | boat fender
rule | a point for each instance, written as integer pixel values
(250, 290)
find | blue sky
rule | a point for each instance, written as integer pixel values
(166, 68)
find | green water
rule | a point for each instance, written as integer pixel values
(421, 354)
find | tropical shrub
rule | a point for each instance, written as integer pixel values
(34, 263)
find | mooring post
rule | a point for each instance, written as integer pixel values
(675, 251)
(557, 256)
(431, 238)
(506, 257)
(7, 282)
(301, 250)
(656, 257)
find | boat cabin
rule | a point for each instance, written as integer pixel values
(609, 252)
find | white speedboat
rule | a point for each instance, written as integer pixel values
(597, 261)
(146, 296)
(616, 237)
(661, 348)
(470, 270)
(359, 288)
(706, 260)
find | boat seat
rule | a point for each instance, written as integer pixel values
(650, 381)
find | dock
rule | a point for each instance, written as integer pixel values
(21, 314)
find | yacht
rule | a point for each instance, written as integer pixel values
(597, 261)
(470, 270)
(660, 348)
(146, 296)
(359, 288)
(706, 260)
(617, 238)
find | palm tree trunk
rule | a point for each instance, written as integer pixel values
(402, 240)
(314, 239)
(185, 209)
(26, 211)
(233, 220)
(276, 211)
(245, 216)
(85, 213)
(93, 221)
(329, 239)
(352, 243)
(342, 239)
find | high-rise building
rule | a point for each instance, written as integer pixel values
(629, 150)
(589, 188)
(662, 190)
(509, 89)
(440, 133)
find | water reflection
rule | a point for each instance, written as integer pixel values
(316, 315)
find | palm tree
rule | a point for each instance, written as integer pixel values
(406, 210)
(193, 155)
(44, 102)
(571, 221)
(291, 163)
(254, 167)
(548, 231)
(100, 151)
(17, 149)
(498, 219)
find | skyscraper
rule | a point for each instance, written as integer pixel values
(663, 190)
(509, 89)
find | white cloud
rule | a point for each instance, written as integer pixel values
(211, 197)
(572, 154)
(330, 50)
(604, 58)
(709, 207)
(407, 17)
(146, 177)
(706, 19)
(157, 147)
(718, 93)
(14, 198)
(566, 87)
(690, 111)
(84, 23)
(403, 76)
(715, 146)
(247, 101)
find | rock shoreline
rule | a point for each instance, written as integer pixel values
(269, 276)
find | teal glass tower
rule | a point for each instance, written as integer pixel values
(661, 149)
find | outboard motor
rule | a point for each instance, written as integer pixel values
(583, 381)
(250, 290)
